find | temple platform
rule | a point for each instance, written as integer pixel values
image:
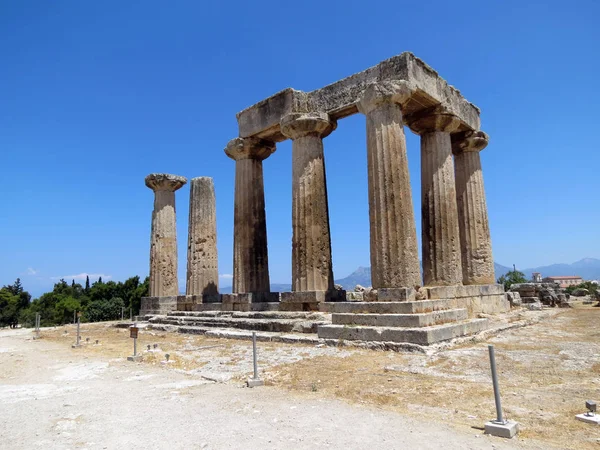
(396, 316)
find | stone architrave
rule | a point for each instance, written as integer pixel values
(439, 213)
(394, 252)
(202, 261)
(475, 240)
(250, 256)
(311, 242)
(163, 236)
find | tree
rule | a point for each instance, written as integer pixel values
(512, 277)
(99, 280)
(104, 310)
(87, 284)
(9, 308)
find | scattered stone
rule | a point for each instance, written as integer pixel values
(580, 292)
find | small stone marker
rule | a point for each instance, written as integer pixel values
(254, 381)
(78, 343)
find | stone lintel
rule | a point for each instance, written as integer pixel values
(249, 148)
(469, 141)
(401, 294)
(340, 99)
(164, 182)
(449, 292)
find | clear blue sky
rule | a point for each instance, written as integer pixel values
(96, 95)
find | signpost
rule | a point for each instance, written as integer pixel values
(133, 334)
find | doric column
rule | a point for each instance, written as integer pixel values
(250, 257)
(394, 254)
(202, 262)
(311, 242)
(475, 241)
(163, 236)
(439, 214)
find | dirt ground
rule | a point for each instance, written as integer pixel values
(54, 396)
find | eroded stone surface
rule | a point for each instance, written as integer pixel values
(339, 99)
(202, 262)
(311, 243)
(250, 256)
(439, 212)
(163, 237)
(394, 253)
(475, 240)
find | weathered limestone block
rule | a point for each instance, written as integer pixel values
(475, 240)
(514, 298)
(202, 263)
(163, 236)
(394, 253)
(311, 242)
(158, 305)
(440, 232)
(250, 256)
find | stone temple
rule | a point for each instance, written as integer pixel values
(458, 280)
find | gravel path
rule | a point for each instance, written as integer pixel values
(54, 397)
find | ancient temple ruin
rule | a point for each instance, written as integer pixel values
(458, 269)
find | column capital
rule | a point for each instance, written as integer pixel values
(383, 92)
(296, 125)
(249, 148)
(434, 119)
(469, 141)
(164, 182)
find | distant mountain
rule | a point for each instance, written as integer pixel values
(586, 268)
(361, 276)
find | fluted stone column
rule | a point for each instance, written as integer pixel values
(250, 257)
(394, 254)
(311, 242)
(439, 214)
(163, 236)
(475, 241)
(202, 261)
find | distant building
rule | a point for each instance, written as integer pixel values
(536, 277)
(564, 281)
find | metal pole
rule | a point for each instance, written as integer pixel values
(134, 346)
(254, 355)
(499, 418)
(74, 316)
(78, 335)
(130, 313)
